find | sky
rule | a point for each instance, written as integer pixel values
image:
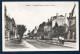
(32, 14)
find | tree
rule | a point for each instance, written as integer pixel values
(56, 25)
(43, 24)
(54, 30)
(32, 33)
(21, 29)
(41, 29)
(59, 31)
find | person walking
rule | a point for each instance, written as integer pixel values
(59, 40)
(62, 40)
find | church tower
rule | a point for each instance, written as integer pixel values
(72, 12)
(72, 24)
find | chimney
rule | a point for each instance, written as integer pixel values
(51, 18)
(57, 14)
(29, 31)
(65, 14)
(48, 20)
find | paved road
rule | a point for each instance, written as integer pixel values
(14, 44)
(40, 44)
(29, 43)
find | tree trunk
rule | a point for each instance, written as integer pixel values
(20, 38)
(51, 40)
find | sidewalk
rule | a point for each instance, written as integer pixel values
(66, 44)
(70, 44)
(28, 44)
(14, 44)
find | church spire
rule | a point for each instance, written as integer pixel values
(73, 9)
(72, 12)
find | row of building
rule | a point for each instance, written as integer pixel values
(68, 22)
(10, 26)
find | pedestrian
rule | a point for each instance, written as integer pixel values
(63, 40)
(59, 40)
(11, 35)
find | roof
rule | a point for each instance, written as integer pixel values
(71, 18)
(8, 18)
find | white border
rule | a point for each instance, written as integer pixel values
(14, 50)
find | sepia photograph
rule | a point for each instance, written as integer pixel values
(40, 26)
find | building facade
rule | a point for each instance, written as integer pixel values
(10, 26)
(60, 20)
(48, 29)
(72, 25)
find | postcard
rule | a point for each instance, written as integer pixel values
(40, 26)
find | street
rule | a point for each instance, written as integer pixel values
(37, 44)
(41, 44)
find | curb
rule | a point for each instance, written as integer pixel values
(56, 44)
